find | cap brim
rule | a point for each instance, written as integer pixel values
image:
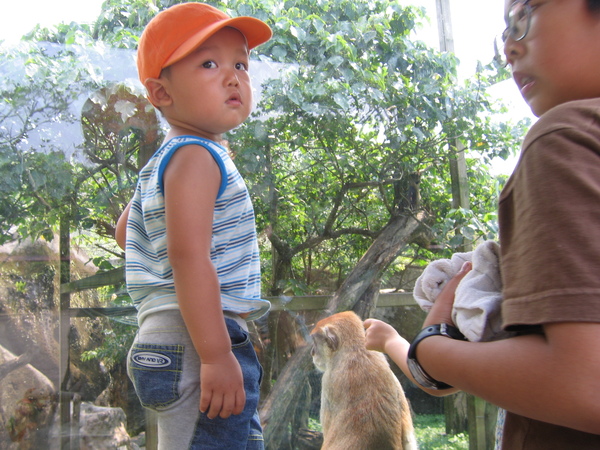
(254, 30)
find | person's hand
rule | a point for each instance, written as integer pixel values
(441, 311)
(379, 334)
(222, 387)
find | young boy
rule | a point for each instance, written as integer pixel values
(192, 262)
(547, 378)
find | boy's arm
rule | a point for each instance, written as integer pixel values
(552, 377)
(382, 337)
(121, 228)
(192, 181)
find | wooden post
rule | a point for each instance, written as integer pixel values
(479, 428)
(64, 324)
(476, 416)
(145, 153)
(444, 25)
(458, 165)
(151, 430)
(446, 41)
(482, 424)
(460, 181)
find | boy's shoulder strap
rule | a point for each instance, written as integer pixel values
(218, 152)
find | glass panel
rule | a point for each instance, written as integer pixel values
(75, 128)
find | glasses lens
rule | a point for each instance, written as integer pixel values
(518, 21)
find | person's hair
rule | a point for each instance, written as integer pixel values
(594, 5)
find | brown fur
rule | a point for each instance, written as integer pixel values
(362, 403)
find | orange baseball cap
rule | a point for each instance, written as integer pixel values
(175, 32)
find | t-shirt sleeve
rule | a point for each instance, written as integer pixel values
(550, 229)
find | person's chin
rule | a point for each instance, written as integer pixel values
(537, 108)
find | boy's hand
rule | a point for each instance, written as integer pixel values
(441, 311)
(379, 334)
(222, 387)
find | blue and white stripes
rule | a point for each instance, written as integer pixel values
(234, 250)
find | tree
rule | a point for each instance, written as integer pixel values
(355, 130)
(352, 130)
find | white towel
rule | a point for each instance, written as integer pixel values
(477, 302)
(435, 276)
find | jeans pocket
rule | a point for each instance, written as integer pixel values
(156, 373)
(243, 349)
(239, 337)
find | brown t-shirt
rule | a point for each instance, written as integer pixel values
(549, 219)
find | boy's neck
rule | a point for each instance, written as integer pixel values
(179, 128)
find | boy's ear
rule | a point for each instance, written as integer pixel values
(157, 92)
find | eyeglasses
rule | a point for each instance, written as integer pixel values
(518, 21)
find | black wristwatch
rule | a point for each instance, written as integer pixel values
(415, 368)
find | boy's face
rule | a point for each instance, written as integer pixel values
(558, 59)
(210, 89)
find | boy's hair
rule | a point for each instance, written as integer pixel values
(594, 5)
(175, 32)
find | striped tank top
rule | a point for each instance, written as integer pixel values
(234, 248)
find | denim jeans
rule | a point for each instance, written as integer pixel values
(165, 370)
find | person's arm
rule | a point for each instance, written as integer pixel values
(192, 181)
(551, 377)
(121, 228)
(382, 337)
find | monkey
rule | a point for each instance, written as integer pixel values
(363, 406)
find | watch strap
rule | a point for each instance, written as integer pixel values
(417, 371)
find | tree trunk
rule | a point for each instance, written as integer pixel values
(282, 269)
(279, 408)
(384, 250)
(360, 291)
(367, 302)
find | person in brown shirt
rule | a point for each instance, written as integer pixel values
(547, 377)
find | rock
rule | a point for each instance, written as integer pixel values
(27, 404)
(103, 428)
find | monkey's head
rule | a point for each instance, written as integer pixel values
(341, 330)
